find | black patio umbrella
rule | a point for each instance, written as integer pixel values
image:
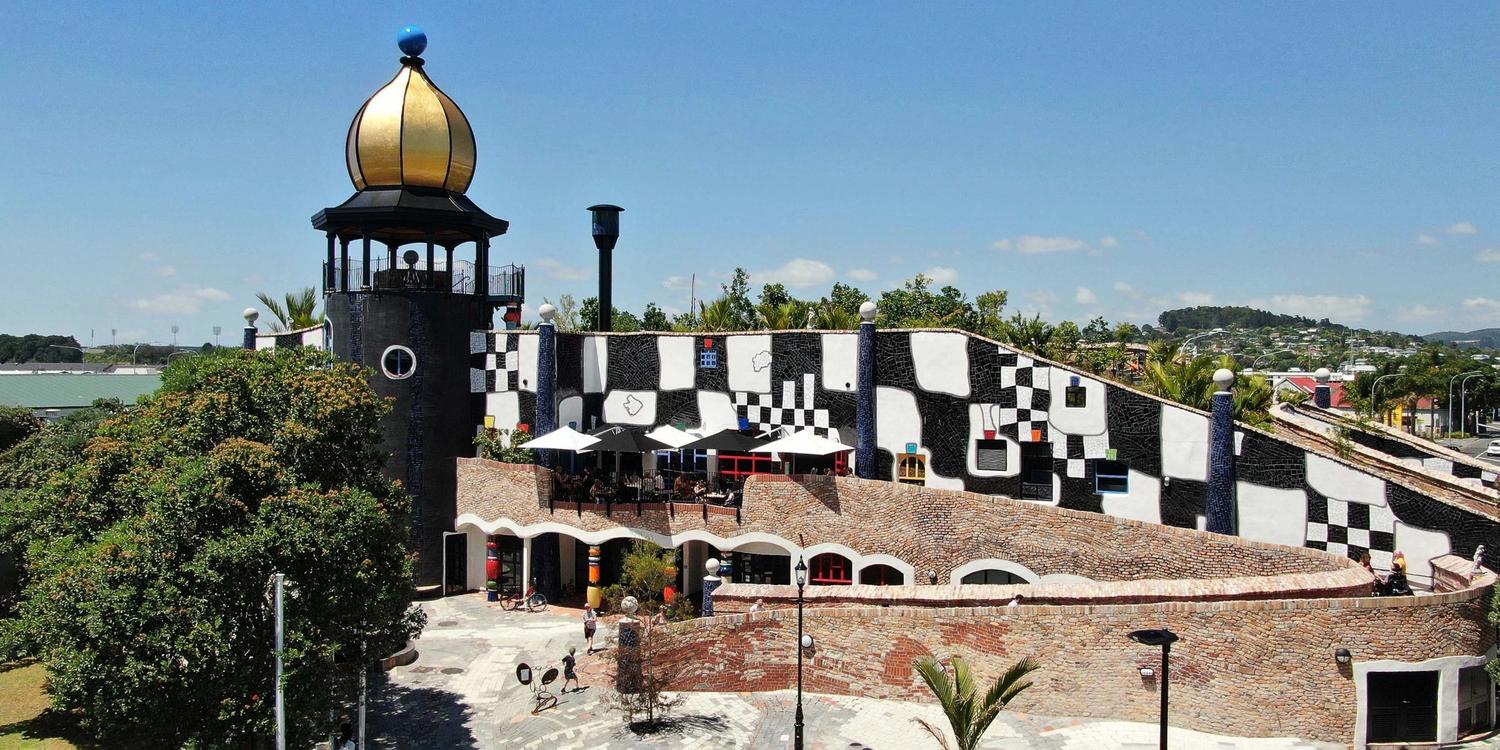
(725, 440)
(618, 439)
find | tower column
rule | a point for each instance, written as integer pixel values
(344, 263)
(330, 281)
(546, 379)
(1220, 511)
(431, 274)
(365, 254)
(864, 404)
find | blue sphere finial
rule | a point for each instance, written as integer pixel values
(412, 40)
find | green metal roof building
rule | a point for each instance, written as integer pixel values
(66, 392)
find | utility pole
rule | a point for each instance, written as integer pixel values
(278, 583)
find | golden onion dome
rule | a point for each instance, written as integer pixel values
(409, 133)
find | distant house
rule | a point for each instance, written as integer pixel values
(50, 395)
(1306, 384)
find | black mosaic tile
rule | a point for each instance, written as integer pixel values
(634, 363)
(1269, 462)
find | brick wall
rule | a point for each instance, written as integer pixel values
(1250, 668)
(930, 529)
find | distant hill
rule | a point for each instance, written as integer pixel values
(1205, 317)
(1484, 338)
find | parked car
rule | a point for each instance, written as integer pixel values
(1493, 449)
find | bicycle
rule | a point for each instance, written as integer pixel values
(533, 601)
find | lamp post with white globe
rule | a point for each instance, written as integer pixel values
(801, 570)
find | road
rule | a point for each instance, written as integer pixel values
(1474, 447)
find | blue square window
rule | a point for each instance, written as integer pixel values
(1111, 477)
(708, 359)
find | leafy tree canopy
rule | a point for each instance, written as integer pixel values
(38, 348)
(149, 552)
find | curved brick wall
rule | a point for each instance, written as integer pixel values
(930, 529)
(1235, 661)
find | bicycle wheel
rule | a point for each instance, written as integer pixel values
(538, 603)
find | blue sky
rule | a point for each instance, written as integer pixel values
(162, 160)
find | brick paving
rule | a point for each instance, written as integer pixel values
(462, 693)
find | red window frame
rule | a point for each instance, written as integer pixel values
(830, 569)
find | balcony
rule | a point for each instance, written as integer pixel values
(505, 284)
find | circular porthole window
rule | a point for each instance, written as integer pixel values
(398, 362)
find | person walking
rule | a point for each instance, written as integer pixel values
(570, 673)
(590, 625)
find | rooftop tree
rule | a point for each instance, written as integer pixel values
(150, 553)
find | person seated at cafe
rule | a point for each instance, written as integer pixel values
(682, 487)
(599, 492)
(658, 483)
(842, 471)
(700, 488)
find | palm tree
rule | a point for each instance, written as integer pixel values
(834, 318)
(969, 715)
(300, 310)
(717, 315)
(1030, 334)
(783, 317)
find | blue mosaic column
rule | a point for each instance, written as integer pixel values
(711, 583)
(864, 404)
(1220, 509)
(546, 379)
(251, 314)
(1322, 394)
(628, 655)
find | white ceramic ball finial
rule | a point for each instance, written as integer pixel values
(251, 315)
(1223, 378)
(1322, 375)
(547, 312)
(629, 605)
(867, 311)
(712, 566)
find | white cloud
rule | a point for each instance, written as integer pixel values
(1031, 244)
(1085, 296)
(941, 275)
(861, 274)
(676, 282)
(150, 257)
(1195, 298)
(1484, 306)
(1125, 288)
(797, 272)
(1108, 240)
(1491, 255)
(1339, 309)
(1462, 227)
(1419, 312)
(167, 271)
(182, 301)
(1426, 239)
(556, 269)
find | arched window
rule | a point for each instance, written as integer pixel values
(881, 575)
(830, 569)
(993, 577)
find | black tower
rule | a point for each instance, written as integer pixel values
(407, 315)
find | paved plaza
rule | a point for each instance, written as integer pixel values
(462, 693)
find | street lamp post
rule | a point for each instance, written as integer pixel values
(801, 570)
(1256, 363)
(1197, 336)
(1164, 638)
(1450, 395)
(1373, 388)
(1463, 414)
(278, 586)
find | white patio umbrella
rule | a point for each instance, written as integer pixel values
(562, 439)
(671, 436)
(804, 443)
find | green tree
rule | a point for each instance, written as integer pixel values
(567, 318)
(151, 553)
(504, 446)
(622, 321)
(1030, 334)
(718, 315)
(783, 317)
(38, 348)
(915, 305)
(740, 310)
(1097, 331)
(969, 714)
(646, 570)
(845, 297)
(16, 424)
(1126, 333)
(653, 319)
(775, 295)
(300, 310)
(989, 309)
(830, 317)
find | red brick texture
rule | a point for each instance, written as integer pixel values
(930, 529)
(1249, 668)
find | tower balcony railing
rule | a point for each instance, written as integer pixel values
(505, 283)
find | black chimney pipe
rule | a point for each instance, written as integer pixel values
(606, 233)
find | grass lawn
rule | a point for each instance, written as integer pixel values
(25, 722)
